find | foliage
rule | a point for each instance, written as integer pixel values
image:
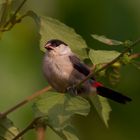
(7, 129)
(47, 32)
(102, 106)
(106, 40)
(102, 56)
(56, 109)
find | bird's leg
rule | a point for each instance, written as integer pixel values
(72, 90)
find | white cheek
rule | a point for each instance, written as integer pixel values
(65, 50)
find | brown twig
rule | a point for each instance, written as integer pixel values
(25, 101)
(40, 131)
(30, 126)
(110, 63)
(135, 55)
(40, 128)
(15, 13)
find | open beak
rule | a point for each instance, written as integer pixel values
(48, 46)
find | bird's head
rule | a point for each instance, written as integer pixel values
(57, 47)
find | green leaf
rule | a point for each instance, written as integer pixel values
(102, 106)
(102, 56)
(113, 73)
(69, 133)
(58, 108)
(126, 59)
(7, 129)
(106, 40)
(50, 28)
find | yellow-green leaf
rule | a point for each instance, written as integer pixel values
(50, 28)
(102, 56)
(53, 29)
(7, 129)
(102, 106)
(58, 108)
(69, 133)
(106, 40)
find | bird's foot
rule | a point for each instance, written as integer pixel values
(72, 90)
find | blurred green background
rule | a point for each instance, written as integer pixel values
(21, 63)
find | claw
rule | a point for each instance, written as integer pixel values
(72, 90)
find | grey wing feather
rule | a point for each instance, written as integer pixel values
(79, 66)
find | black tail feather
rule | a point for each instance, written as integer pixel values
(113, 95)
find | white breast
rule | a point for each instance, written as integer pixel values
(57, 72)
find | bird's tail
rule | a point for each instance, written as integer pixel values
(111, 94)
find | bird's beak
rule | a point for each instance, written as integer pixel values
(48, 46)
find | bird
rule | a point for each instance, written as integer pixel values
(63, 70)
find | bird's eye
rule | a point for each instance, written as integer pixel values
(56, 43)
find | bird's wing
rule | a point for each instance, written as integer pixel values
(78, 65)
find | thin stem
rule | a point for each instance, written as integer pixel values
(30, 126)
(17, 20)
(135, 55)
(20, 6)
(14, 15)
(121, 55)
(110, 63)
(38, 93)
(25, 101)
(4, 10)
(4, 114)
(40, 128)
(41, 131)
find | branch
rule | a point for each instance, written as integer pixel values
(110, 63)
(14, 15)
(30, 126)
(40, 127)
(4, 10)
(135, 55)
(25, 101)
(41, 130)
(16, 21)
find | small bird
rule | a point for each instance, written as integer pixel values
(63, 69)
